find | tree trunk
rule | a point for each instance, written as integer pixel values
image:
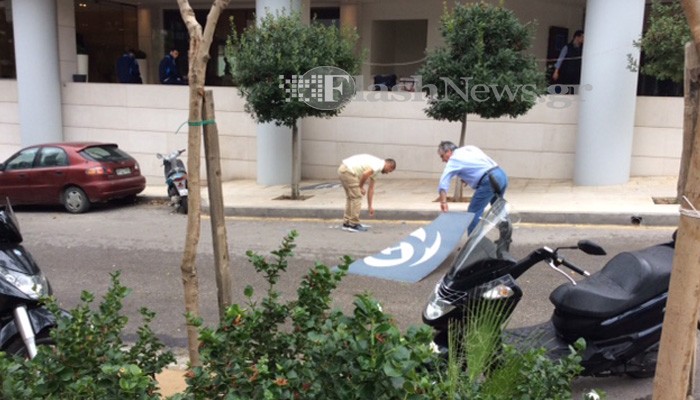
(198, 58)
(190, 280)
(462, 137)
(296, 161)
(674, 368)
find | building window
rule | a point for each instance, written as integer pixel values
(398, 49)
(104, 30)
(7, 45)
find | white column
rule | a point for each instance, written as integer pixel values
(274, 143)
(38, 79)
(608, 92)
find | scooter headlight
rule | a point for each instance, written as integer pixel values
(34, 286)
(500, 291)
(437, 307)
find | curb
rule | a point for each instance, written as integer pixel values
(534, 217)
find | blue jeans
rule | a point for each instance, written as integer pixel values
(484, 194)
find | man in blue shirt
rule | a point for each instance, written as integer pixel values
(128, 68)
(474, 168)
(167, 69)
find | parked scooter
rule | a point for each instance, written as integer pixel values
(176, 179)
(618, 310)
(24, 322)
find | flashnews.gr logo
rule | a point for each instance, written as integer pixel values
(323, 88)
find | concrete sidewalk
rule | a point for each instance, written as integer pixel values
(537, 201)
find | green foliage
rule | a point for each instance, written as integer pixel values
(482, 367)
(282, 45)
(89, 359)
(483, 68)
(302, 349)
(664, 41)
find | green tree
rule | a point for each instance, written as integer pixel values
(283, 46)
(664, 40)
(482, 69)
(663, 45)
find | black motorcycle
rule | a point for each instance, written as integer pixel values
(24, 322)
(175, 179)
(618, 310)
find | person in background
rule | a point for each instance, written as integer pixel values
(567, 70)
(355, 172)
(128, 68)
(167, 70)
(474, 168)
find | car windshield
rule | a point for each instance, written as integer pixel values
(104, 153)
(490, 240)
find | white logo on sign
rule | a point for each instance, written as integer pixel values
(405, 251)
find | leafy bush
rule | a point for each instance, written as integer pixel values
(301, 349)
(89, 359)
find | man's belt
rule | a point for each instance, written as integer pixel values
(488, 171)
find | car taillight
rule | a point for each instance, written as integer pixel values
(136, 166)
(99, 171)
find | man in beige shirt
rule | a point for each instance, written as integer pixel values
(354, 172)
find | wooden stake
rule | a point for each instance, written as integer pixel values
(216, 204)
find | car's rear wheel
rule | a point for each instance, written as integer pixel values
(75, 200)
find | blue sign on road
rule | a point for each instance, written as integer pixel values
(417, 255)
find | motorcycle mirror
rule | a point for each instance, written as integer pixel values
(159, 156)
(591, 248)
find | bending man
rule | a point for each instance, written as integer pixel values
(354, 172)
(474, 168)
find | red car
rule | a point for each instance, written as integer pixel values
(72, 174)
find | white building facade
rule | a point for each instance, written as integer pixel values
(602, 136)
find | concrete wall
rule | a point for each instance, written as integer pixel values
(143, 120)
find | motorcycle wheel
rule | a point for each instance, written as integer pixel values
(17, 348)
(649, 362)
(182, 207)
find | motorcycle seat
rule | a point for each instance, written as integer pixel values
(627, 280)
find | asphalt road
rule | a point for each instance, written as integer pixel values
(145, 241)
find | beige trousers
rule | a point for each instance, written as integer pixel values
(353, 195)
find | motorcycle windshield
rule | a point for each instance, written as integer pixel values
(489, 240)
(9, 227)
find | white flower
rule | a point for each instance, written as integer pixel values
(592, 395)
